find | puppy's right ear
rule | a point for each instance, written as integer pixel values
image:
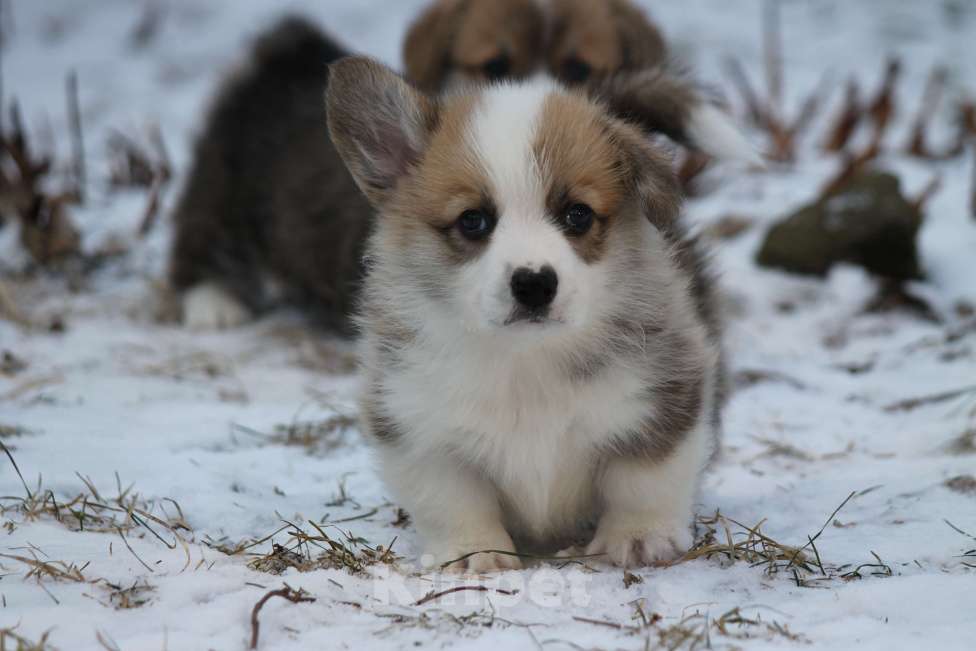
(380, 125)
(427, 47)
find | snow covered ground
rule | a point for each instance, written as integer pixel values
(248, 431)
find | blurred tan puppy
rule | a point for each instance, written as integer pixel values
(573, 40)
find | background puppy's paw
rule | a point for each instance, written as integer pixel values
(209, 307)
(633, 542)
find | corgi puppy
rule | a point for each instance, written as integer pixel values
(485, 40)
(540, 347)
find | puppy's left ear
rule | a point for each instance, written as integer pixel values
(380, 125)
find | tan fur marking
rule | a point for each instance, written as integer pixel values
(581, 163)
(448, 180)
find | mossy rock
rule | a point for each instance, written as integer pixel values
(867, 222)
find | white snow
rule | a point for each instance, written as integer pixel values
(191, 416)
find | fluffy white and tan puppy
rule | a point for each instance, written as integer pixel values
(540, 348)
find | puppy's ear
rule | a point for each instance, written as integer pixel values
(642, 45)
(427, 48)
(380, 125)
(651, 177)
(659, 102)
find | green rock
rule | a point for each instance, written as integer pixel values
(867, 222)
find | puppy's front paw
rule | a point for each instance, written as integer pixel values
(635, 540)
(470, 555)
(209, 307)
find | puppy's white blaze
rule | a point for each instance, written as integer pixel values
(502, 130)
(716, 134)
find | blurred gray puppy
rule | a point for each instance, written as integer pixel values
(268, 203)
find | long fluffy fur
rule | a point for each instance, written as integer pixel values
(596, 432)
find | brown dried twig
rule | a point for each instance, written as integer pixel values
(754, 109)
(141, 165)
(847, 120)
(853, 164)
(287, 592)
(46, 229)
(931, 98)
(882, 108)
(77, 137)
(773, 54)
(432, 595)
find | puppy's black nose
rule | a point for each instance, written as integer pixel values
(534, 289)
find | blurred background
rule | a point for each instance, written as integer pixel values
(847, 266)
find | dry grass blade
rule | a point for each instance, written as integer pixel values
(10, 456)
(914, 403)
(695, 631)
(533, 557)
(57, 570)
(9, 636)
(288, 593)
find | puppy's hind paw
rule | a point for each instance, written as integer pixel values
(209, 307)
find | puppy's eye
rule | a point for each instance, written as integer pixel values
(575, 70)
(496, 68)
(579, 219)
(475, 224)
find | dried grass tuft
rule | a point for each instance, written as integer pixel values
(732, 541)
(309, 551)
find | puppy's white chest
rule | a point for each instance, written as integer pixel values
(534, 432)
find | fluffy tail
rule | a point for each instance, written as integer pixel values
(660, 102)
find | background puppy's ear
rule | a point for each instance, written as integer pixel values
(380, 125)
(642, 45)
(659, 102)
(427, 48)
